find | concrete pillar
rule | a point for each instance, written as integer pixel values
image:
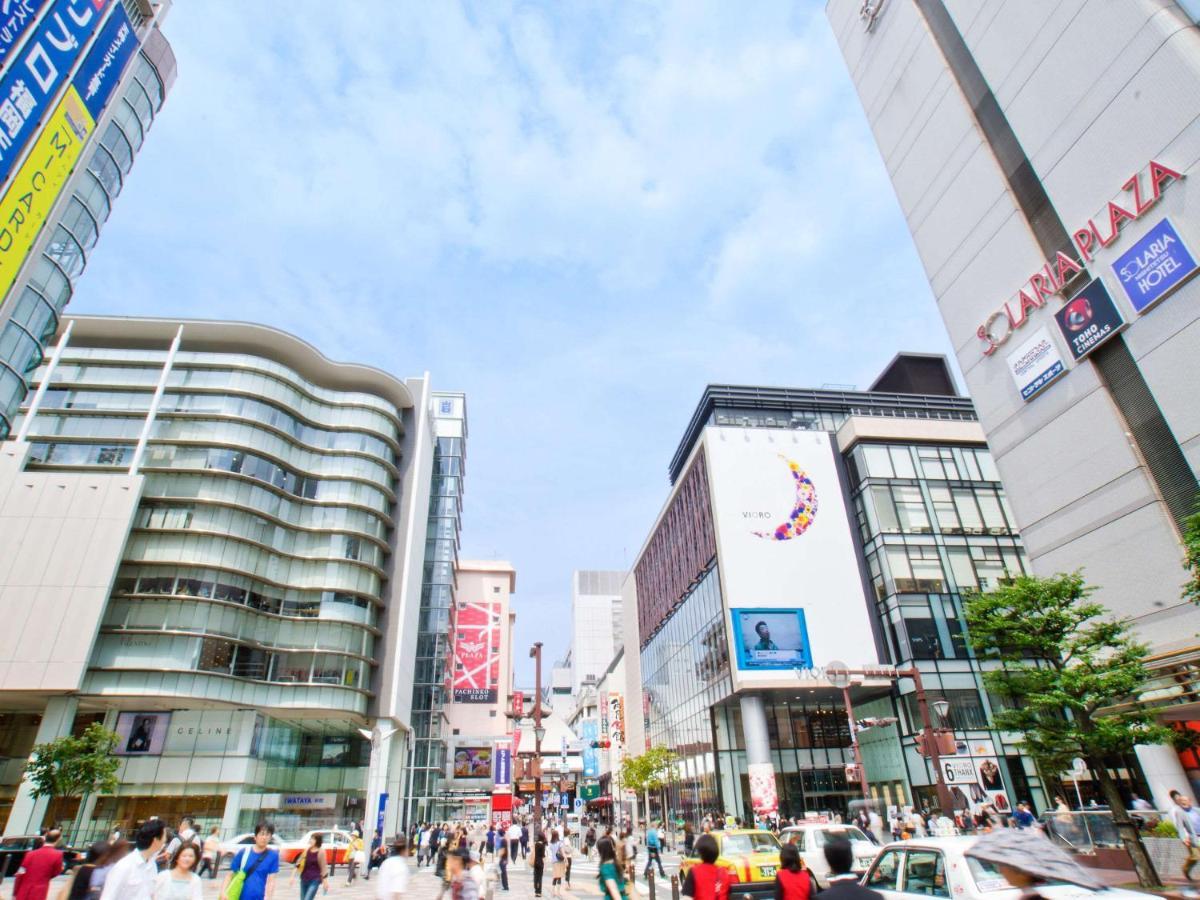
(764, 798)
(1164, 773)
(395, 781)
(27, 813)
(233, 808)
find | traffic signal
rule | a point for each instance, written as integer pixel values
(601, 744)
(874, 722)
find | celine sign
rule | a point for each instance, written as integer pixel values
(1056, 273)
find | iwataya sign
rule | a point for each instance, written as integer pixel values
(1053, 277)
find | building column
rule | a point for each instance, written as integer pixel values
(233, 809)
(394, 780)
(27, 812)
(764, 799)
(1164, 773)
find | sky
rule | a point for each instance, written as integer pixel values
(578, 213)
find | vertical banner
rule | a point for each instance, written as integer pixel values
(383, 799)
(591, 761)
(763, 798)
(502, 764)
(101, 69)
(476, 654)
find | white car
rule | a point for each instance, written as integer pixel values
(810, 839)
(231, 847)
(937, 867)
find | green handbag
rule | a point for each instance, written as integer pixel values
(234, 891)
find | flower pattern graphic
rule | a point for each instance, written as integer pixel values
(803, 512)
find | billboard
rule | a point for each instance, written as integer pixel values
(473, 762)
(16, 18)
(502, 774)
(590, 732)
(475, 673)
(141, 733)
(34, 75)
(1089, 319)
(786, 554)
(101, 69)
(1035, 364)
(771, 639)
(1154, 266)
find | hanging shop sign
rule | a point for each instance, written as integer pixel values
(1089, 319)
(1058, 272)
(1036, 364)
(1155, 266)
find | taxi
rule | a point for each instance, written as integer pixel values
(750, 854)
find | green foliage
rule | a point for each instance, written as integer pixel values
(74, 766)
(651, 771)
(1063, 662)
(1191, 547)
(1164, 829)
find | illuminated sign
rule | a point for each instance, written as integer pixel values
(1053, 277)
(1089, 319)
(1154, 266)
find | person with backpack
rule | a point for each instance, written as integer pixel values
(653, 852)
(793, 881)
(705, 880)
(589, 841)
(252, 873)
(558, 865)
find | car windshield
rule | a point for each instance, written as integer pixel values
(754, 842)
(822, 836)
(987, 877)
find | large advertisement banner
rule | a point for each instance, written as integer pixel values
(473, 762)
(16, 18)
(141, 733)
(29, 198)
(591, 759)
(29, 84)
(789, 571)
(101, 69)
(476, 669)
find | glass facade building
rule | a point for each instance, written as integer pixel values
(929, 521)
(31, 310)
(257, 599)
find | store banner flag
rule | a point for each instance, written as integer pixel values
(33, 77)
(503, 765)
(101, 69)
(591, 759)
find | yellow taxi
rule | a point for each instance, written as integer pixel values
(751, 855)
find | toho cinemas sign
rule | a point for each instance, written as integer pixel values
(1141, 193)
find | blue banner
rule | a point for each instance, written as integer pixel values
(16, 18)
(591, 761)
(28, 86)
(101, 69)
(1154, 266)
(503, 766)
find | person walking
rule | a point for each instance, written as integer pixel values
(793, 881)
(539, 862)
(568, 851)
(558, 864)
(610, 876)
(843, 883)
(312, 867)
(1186, 820)
(38, 867)
(179, 880)
(689, 839)
(589, 841)
(355, 857)
(392, 882)
(502, 864)
(210, 855)
(259, 862)
(705, 880)
(653, 852)
(81, 878)
(132, 878)
(524, 840)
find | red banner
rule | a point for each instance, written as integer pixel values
(476, 653)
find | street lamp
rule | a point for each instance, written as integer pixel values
(942, 708)
(539, 734)
(535, 652)
(377, 774)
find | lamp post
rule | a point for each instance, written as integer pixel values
(538, 733)
(942, 707)
(377, 774)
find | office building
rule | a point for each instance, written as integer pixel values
(84, 107)
(806, 527)
(595, 624)
(216, 538)
(1044, 156)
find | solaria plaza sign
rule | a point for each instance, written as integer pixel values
(1053, 277)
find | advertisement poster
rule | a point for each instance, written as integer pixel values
(1089, 319)
(101, 69)
(473, 762)
(1035, 364)
(784, 544)
(17, 17)
(771, 639)
(976, 781)
(502, 773)
(1154, 266)
(141, 733)
(616, 719)
(591, 757)
(475, 673)
(763, 797)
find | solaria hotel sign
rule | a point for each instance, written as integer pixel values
(1053, 277)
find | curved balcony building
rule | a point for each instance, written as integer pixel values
(249, 523)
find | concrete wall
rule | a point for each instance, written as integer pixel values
(1093, 90)
(63, 536)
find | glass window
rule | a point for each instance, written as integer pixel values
(114, 139)
(902, 462)
(886, 871)
(944, 510)
(925, 874)
(65, 251)
(922, 630)
(910, 507)
(885, 510)
(878, 460)
(105, 168)
(931, 463)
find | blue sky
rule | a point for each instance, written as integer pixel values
(578, 213)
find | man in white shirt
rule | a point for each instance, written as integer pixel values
(393, 874)
(133, 877)
(514, 840)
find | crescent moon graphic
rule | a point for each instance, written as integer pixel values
(803, 511)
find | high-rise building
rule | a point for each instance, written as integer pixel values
(1044, 155)
(803, 528)
(595, 624)
(215, 549)
(81, 83)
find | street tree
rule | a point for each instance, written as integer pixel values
(1064, 664)
(1191, 547)
(74, 766)
(651, 771)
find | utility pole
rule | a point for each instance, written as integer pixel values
(538, 733)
